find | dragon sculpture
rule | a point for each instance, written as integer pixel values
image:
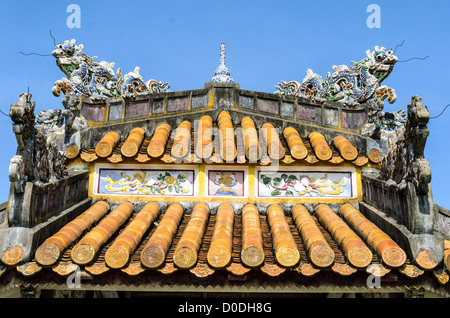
(360, 83)
(405, 160)
(394, 120)
(38, 157)
(95, 80)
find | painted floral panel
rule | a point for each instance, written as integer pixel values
(305, 184)
(146, 182)
(226, 183)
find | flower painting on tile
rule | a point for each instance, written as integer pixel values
(226, 183)
(305, 184)
(146, 182)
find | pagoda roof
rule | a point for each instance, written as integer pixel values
(381, 225)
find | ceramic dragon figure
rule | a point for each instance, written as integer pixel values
(360, 83)
(405, 160)
(95, 80)
(38, 158)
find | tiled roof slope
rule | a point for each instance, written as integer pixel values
(166, 240)
(246, 143)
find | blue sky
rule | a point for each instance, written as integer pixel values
(267, 41)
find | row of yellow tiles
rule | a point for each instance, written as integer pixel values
(350, 230)
(203, 146)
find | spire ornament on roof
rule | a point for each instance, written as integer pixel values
(222, 75)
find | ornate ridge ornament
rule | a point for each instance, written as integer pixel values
(272, 269)
(307, 269)
(96, 80)
(238, 269)
(168, 268)
(411, 270)
(351, 86)
(343, 269)
(405, 159)
(50, 118)
(441, 275)
(395, 120)
(202, 270)
(97, 268)
(222, 75)
(38, 158)
(133, 269)
(377, 270)
(29, 269)
(65, 268)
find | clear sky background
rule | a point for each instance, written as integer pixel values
(267, 41)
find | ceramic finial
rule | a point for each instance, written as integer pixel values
(222, 75)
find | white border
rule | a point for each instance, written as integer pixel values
(141, 166)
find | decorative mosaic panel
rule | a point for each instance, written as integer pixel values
(94, 112)
(308, 113)
(331, 117)
(268, 106)
(226, 183)
(146, 182)
(353, 119)
(158, 106)
(287, 109)
(305, 184)
(178, 104)
(246, 102)
(199, 101)
(115, 111)
(137, 109)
